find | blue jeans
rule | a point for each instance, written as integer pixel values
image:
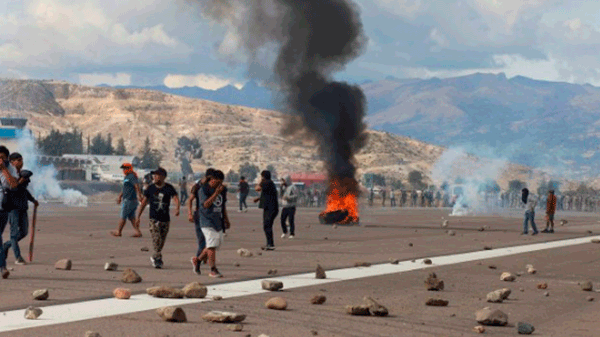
(19, 227)
(199, 235)
(529, 215)
(243, 197)
(3, 222)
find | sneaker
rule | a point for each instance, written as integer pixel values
(525, 233)
(20, 261)
(215, 273)
(551, 231)
(155, 262)
(5, 273)
(195, 265)
(246, 210)
(291, 237)
(268, 248)
(534, 233)
(283, 235)
(546, 231)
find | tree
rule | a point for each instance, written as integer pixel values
(121, 149)
(415, 178)
(516, 185)
(273, 171)
(108, 148)
(554, 185)
(151, 158)
(58, 143)
(187, 150)
(490, 186)
(373, 179)
(232, 176)
(249, 171)
(396, 184)
(101, 146)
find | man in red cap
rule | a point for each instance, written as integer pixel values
(128, 199)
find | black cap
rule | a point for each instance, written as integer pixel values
(160, 171)
(26, 174)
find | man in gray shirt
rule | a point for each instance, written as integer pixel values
(8, 181)
(289, 198)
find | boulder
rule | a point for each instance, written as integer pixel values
(110, 266)
(195, 290)
(223, 317)
(525, 328)
(495, 297)
(587, 286)
(276, 303)
(318, 299)
(320, 273)
(235, 327)
(358, 310)
(172, 314)
(488, 316)
(41, 295)
(374, 307)
(504, 293)
(427, 261)
(165, 292)
(508, 277)
(33, 312)
(64, 264)
(272, 285)
(122, 293)
(437, 302)
(479, 329)
(130, 276)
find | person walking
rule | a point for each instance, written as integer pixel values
(550, 210)
(392, 198)
(383, 196)
(244, 189)
(183, 191)
(270, 206)
(8, 181)
(530, 201)
(18, 218)
(289, 198)
(128, 199)
(158, 196)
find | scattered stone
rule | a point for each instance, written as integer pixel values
(33, 313)
(595, 240)
(272, 272)
(479, 329)
(235, 327)
(334, 226)
(325, 238)
(122, 293)
(272, 285)
(519, 274)
(92, 334)
(451, 233)
(236, 264)
(314, 332)
(522, 290)
(165, 292)
(436, 302)
(410, 244)
(145, 249)
(394, 261)
(587, 286)
(508, 277)
(504, 293)
(590, 299)
(358, 310)
(481, 229)
(172, 314)
(217, 298)
(259, 253)
(542, 285)
(525, 328)
(488, 316)
(261, 335)
(546, 294)
(487, 248)
(374, 307)
(41, 295)
(495, 297)
(111, 266)
(111, 257)
(276, 303)
(362, 264)
(318, 299)
(195, 290)
(531, 270)
(64, 264)
(433, 283)
(589, 232)
(130, 276)
(223, 317)
(491, 266)
(445, 224)
(427, 261)
(320, 273)
(243, 252)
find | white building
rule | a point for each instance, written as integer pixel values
(105, 168)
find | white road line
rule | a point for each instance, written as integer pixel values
(68, 313)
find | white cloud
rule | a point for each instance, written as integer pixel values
(155, 34)
(439, 39)
(204, 81)
(9, 52)
(110, 79)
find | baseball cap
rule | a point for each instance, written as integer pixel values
(126, 165)
(161, 171)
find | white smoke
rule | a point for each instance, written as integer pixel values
(477, 175)
(44, 185)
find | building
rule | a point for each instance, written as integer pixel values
(104, 168)
(10, 129)
(309, 178)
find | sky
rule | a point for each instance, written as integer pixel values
(156, 42)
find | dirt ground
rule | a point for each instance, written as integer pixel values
(82, 236)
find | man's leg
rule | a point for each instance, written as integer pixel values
(533, 226)
(3, 221)
(292, 224)
(525, 220)
(244, 201)
(268, 227)
(284, 216)
(13, 221)
(157, 243)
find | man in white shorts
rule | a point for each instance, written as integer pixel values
(213, 219)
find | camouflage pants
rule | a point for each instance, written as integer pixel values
(159, 232)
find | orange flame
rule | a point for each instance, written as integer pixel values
(343, 196)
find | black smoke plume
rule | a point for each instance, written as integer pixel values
(314, 39)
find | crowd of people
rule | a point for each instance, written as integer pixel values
(14, 205)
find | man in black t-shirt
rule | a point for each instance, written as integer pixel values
(244, 190)
(270, 206)
(159, 196)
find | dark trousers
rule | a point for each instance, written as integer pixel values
(199, 235)
(243, 201)
(269, 216)
(183, 196)
(19, 227)
(3, 222)
(288, 212)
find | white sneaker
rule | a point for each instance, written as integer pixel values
(283, 235)
(291, 237)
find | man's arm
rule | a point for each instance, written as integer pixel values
(190, 203)
(226, 218)
(137, 191)
(120, 198)
(141, 209)
(213, 197)
(12, 181)
(177, 204)
(31, 198)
